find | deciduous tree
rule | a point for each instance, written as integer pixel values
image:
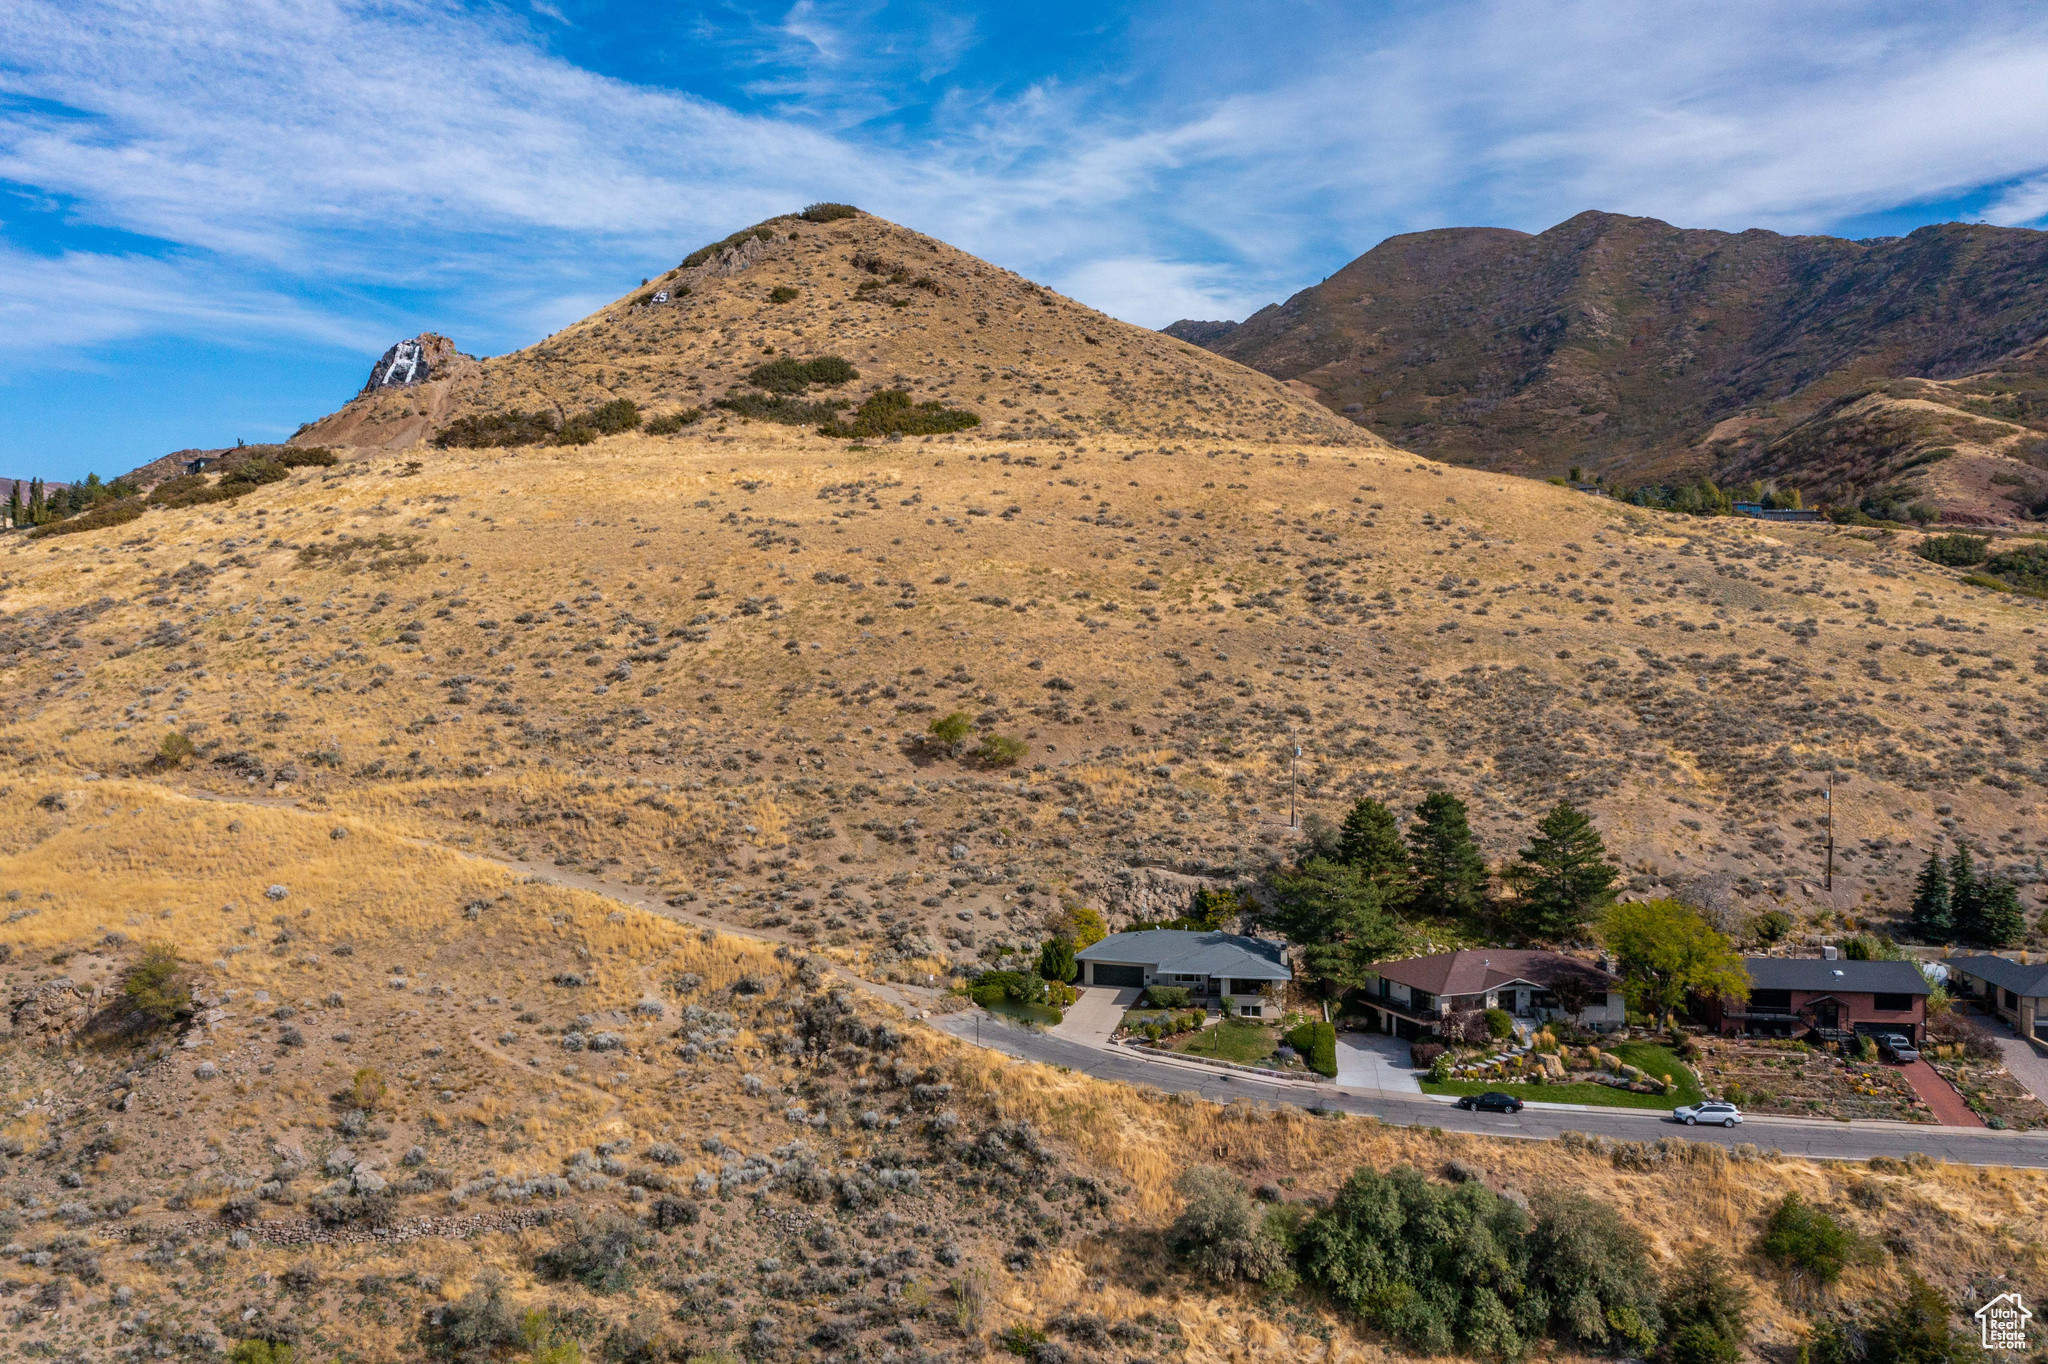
(1667, 951)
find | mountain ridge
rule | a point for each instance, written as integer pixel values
(1651, 353)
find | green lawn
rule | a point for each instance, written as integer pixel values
(1234, 1039)
(1041, 1014)
(1653, 1058)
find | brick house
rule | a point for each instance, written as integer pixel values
(1413, 998)
(1835, 998)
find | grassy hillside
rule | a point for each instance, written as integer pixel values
(376, 1139)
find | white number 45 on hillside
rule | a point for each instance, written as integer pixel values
(2004, 1320)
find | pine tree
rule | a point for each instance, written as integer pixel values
(1933, 914)
(2000, 920)
(1965, 896)
(1564, 879)
(14, 504)
(1371, 842)
(1450, 873)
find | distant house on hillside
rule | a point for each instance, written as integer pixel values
(1763, 513)
(1834, 997)
(1415, 997)
(201, 464)
(1231, 967)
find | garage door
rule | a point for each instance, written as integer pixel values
(1118, 975)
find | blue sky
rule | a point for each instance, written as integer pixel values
(214, 214)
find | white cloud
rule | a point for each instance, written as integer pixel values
(318, 148)
(51, 306)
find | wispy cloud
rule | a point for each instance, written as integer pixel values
(320, 153)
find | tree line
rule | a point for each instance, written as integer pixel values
(1344, 902)
(1952, 905)
(40, 504)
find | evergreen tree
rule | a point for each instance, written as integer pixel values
(1564, 879)
(1371, 842)
(1337, 916)
(2000, 920)
(14, 504)
(1450, 874)
(1933, 913)
(1965, 896)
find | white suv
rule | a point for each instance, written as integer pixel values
(1713, 1110)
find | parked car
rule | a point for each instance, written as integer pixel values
(1899, 1047)
(1713, 1110)
(1491, 1102)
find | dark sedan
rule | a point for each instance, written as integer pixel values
(1491, 1103)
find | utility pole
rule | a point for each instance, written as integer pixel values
(1829, 796)
(1294, 789)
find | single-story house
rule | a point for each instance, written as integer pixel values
(1837, 998)
(201, 464)
(1233, 969)
(2016, 993)
(1415, 996)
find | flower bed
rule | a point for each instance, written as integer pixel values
(1992, 1093)
(1629, 1075)
(1797, 1080)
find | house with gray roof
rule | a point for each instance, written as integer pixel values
(1829, 996)
(1233, 969)
(2015, 991)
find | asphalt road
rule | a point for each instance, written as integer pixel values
(1792, 1136)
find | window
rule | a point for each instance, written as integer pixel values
(2012, 1001)
(1896, 1004)
(1772, 1001)
(1251, 1011)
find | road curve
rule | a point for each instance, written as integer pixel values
(1792, 1136)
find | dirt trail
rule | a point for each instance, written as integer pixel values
(911, 999)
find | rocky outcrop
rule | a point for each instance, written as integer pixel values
(411, 362)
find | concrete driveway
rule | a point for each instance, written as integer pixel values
(1095, 1015)
(2021, 1057)
(1376, 1062)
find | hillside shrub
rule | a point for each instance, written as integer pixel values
(790, 375)
(156, 986)
(1594, 1270)
(612, 418)
(306, 457)
(173, 752)
(1440, 1268)
(1317, 1043)
(1808, 1241)
(2026, 568)
(497, 429)
(1706, 1309)
(1221, 1232)
(599, 1253)
(782, 293)
(782, 408)
(890, 412)
(252, 474)
(1918, 1329)
(670, 423)
(1000, 750)
(186, 490)
(1168, 996)
(1953, 551)
(827, 213)
(118, 512)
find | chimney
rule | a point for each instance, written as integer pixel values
(1829, 952)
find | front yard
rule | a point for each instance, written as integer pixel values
(1992, 1093)
(1795, 1079)
(1243, 1040)
(1651, 1058)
